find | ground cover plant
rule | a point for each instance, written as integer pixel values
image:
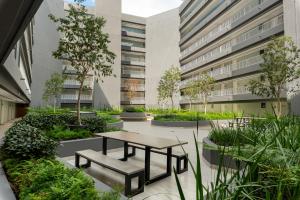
(134, 109)
(193, 116)
(272, 164)
(107, 117)
(50, 179)
(64, 133)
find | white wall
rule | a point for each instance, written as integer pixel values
(292, 28)
(108, 93)
(162, 51)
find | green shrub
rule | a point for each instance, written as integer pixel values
(47, 121)
(107, 117)
(192, 116)
(48, 110)
(50, 180)
(24, 141)
(95, 124)
(134, 109)
(63, 133)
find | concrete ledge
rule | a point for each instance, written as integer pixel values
(180, 123)
(68, 148)
(213, 156)
(119, 125)
(6, 193)
(133, 116)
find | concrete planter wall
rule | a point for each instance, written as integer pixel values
(68, 148)
(213, 156)
(133, 116)
(119, 125)
(179, 123)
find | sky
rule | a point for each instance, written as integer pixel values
(143, 8)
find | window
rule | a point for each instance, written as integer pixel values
(263, 105)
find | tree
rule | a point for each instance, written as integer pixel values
(53, 88)
(84, 45)
(280, 66)
(169, 85)
(191, 91)
(205, 85)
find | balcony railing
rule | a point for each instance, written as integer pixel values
(225, 26)
(76, 83)
(135, 74)
(227, 47)
(75, 97)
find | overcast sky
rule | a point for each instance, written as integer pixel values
(144, 8)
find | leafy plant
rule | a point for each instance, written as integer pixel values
(192, 116)
(169, 85)
(191, 91)
(281, 66)
(134, 109)
(24, 141)
(107, 117)
(49, 179)
(84, 45)
(54, 88)
(95, 124)
(62, 133)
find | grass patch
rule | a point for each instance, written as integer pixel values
(63, 133)
(107, 117)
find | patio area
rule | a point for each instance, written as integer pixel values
(166, 188)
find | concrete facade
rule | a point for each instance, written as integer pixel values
(162, 52)
(46, 41)
(107, 94)
(225, 39)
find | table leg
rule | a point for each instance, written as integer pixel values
(125, 151)
(104, 146)
(147, 164)
(169, 161)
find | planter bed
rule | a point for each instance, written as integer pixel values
(179, 123)
(119, 125)
(68, 148)
(213, 156)
(133, 116)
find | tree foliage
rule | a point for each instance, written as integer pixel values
(191, 91)
(83, 45)
(169, 85)
(280, 66)
(205, 85)
(53, 88)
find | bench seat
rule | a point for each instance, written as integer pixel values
(128, 170)
(180, 156)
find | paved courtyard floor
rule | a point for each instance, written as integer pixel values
(165, 189)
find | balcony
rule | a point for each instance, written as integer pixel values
(259, 33)
(131, 47)
(229, 95)
(72, 98)
(133, 101)
(74, 84)
(133, 74)
(136, 88)
(67, 69)
(133, 34)
(251, 9)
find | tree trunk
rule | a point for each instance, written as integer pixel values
(78, 103)
(54, 104)
(190, 105)
(205, 105)
(172, 102)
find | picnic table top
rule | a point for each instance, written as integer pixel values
(142, 139)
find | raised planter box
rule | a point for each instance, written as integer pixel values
(180, 123)
(133, 116)
(119, 125)
(213, 156)
(68, 148)
(86, 114)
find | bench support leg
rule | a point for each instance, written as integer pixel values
(169, 161)
(179, 169)
(141, 183)
(125, 158)
(147, 164)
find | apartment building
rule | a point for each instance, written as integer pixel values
(133, 61)
(144, 48)
(16, 42)
(225, 39)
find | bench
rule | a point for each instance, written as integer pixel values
(128, 170)
(180, 156)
